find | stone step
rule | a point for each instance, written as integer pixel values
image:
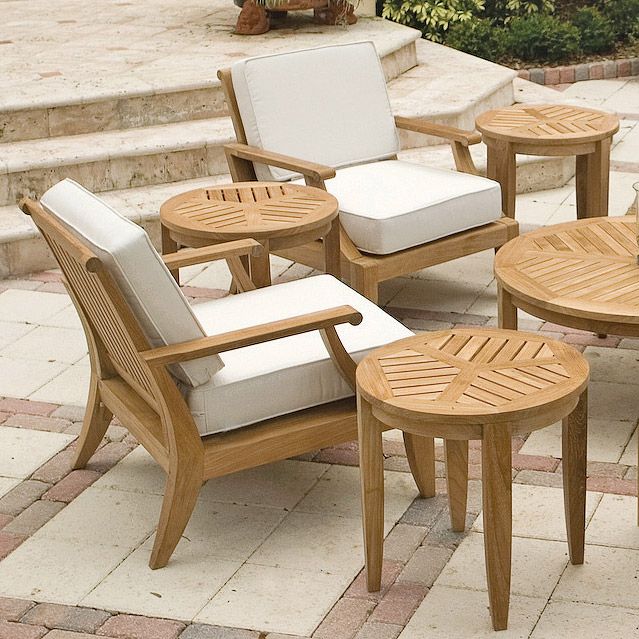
(449, 87)
(22, 250)
(157, 154)
(116, 159)
(174, 88)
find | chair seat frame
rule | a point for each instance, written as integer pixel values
(365, 271)
(131, 381)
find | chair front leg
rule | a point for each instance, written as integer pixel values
(183, 485)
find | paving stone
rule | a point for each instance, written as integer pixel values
(13, 609)
(634, 63)
(551, 76)
(56, 468)
(108, 456)
(425, 565)
(8, 543)
(22, 496)
(402, 541)
(69, 634)
(602, 469)
(441, 534)
(537, 478)
(537, 75)
(344, 620)
(38, 422)
(4, 520)
(610, 69)
(399, 603)
(610, 485)
(33, 517)
(535, 462)
(341, 456)
(375, 630)
(12, 630)
(204, 631)
(27, 407)
(136, 627)
(596, 71)
(424, 512)
(71, 486)
(72, 618)
(358, 589)
(567, 74)
(591, 340)
(116, 433)
(397, 463)
(4, 417)
(71, 413)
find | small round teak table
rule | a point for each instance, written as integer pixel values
(277, 215)
(582, 274)
(551, 129)
(485, 384)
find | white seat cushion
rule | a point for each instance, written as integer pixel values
(326, 105)
(393, 205)
(284, 375)
(126, 250)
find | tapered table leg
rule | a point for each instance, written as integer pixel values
(457, 481)
(574, 445)
(420, 452)
(371, 464)
(496, 465)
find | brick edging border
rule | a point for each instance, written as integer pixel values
(567, 74)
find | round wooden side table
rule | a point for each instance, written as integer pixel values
(551, 129)
(582, 274)
(463, 384)
(278, 215)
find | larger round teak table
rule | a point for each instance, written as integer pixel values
(485, 384)
(581, 274)
(551, 129)
(278, 215)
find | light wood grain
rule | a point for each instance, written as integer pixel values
(475, 383)
(365, 271)
(277, 215)
(557, 130)
(420, 452)
(130, 379)
(581, 274)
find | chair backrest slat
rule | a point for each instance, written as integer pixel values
(102, 304)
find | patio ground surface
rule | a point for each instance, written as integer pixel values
(277, 550)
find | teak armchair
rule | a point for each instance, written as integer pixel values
(174, 397)
(302, 115)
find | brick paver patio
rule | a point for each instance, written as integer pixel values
(277, 551)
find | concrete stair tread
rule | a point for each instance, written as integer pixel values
(92, 147)
(447, 82)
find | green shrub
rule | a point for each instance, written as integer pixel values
(624, 15)
(432, 17)
(479, 37)
(596, 34)
(543, 38)
(503, 11)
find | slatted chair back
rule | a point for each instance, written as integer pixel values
(107, 316)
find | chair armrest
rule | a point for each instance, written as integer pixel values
(205, 346)
(316, 173)
(419, 125)
(190, 256)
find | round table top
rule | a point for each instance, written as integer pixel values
(471, 376)
(261, 210)
(586, 269)
(547, 124)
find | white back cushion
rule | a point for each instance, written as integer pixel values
(326, 105)
(126, 251)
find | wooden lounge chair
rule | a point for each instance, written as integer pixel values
(323, 116)
(223, 386)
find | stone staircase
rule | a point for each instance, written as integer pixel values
(138, 146)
